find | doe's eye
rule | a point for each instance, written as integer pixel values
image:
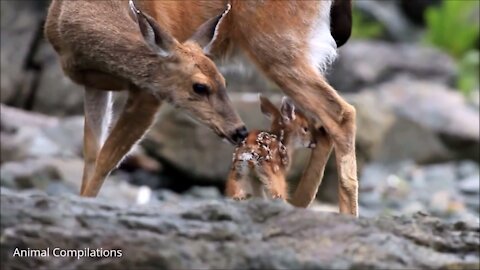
(200, 89)
(305, 129)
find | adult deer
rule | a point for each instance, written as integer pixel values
(101, 46)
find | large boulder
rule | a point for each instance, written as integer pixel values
(207, 234)
(21, 28)
(365, 63)
(244, 77)
(33, 135)
(419, 120)
(31, 75)
(55, 93)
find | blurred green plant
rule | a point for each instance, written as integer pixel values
(468, 72)
(452, 27)
(364, 28)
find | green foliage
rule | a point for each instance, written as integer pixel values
(364, 28)
(468, 72)
(452, 27)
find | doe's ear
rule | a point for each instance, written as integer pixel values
(267, 108)
(287, 109)
(157, 38)
(207, 33)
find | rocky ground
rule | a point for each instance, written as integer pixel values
(219, 234)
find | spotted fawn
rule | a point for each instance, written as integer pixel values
(260, 163)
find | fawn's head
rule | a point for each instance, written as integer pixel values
(188, 79)
(289, 123)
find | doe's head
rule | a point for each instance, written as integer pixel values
(289, 123)
(190, 80)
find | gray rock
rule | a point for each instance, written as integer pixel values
(21, 27)
(167, 195)
(446, 203)
(470, 185)
(374, 121)
(415, 119)
(472, 201)
(203, 192)
(440, 176)
(31, 75)
(58, 176)
(226, 235)
(366, 63)
(468, 168)
(28, 174)
(12, 119)
(68, 135)
(449, 113)
(387, 14)
(55, 93)
(33, 135)
(244, 77)
(474, 99)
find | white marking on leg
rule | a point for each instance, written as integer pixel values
(107, 119)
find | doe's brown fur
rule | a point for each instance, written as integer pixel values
(101, 47)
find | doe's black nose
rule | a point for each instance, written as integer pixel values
(239, 134)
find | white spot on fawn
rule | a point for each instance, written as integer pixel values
(245, 156)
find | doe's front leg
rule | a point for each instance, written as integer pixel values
(136, 118)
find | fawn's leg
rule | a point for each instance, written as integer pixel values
(313, 174)
(136, 118)
(96, 107)
(258, 189)
(237, 182)
(274, 182)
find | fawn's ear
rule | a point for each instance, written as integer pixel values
(268, 108)
(287, 109)
(157, 38)
(207, 33)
